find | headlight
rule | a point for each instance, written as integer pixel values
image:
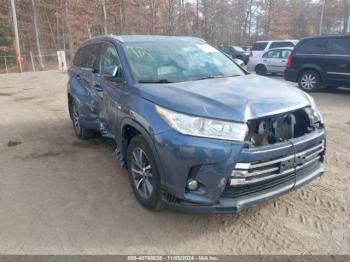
(313, 112)
(203, 127)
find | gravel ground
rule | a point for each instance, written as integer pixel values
(60, 195)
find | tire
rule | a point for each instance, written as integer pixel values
(143, 174)
(261, 70)
(80, 131)
(309, 81)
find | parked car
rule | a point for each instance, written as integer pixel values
(235, 52)
(320, 61)
(260, 47)
(273, 61)
(195, 131)
(240, 63)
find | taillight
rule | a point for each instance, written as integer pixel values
(289, 62)
(250, 53)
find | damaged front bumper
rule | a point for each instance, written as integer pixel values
(257, 174)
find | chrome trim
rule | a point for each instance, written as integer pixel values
(258, 175)
(338, 73)
(246, 166)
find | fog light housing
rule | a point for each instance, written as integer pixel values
(192, 184)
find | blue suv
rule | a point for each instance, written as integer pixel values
(196, 132)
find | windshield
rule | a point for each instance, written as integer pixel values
(170, 61)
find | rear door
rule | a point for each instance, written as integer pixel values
(285, 53)
(272, 59)
(338, 61)
(83, 76)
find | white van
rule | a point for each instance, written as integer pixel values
(260, 47)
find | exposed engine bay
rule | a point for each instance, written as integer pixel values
(272, 129)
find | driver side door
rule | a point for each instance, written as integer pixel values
(111, 89)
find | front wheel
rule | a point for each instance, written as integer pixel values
(309, 81)
(143, 174)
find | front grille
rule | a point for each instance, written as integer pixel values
(249, 178)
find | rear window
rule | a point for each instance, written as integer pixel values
(86, 56)
(340, 46)
(260, 46)
(313, 46)
(281, 44)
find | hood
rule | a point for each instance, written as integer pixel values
(233, 98)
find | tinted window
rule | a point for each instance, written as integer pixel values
(90, 55)
(313, 46)
(281, 44)
(260, 46)
(86, 56)
(285, 53)
(78, 57)
(109, 57)
(272, 54)
(339, 46)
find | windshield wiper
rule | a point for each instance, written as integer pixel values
(160, 81)
(213, 77)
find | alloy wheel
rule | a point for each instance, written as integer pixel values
(308, 81)
(75, 115)
(141, 171)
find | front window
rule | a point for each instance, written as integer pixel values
(177, 61)
(272, 54)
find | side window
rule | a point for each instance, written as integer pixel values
(272, 54)
(313, 46)
(78, 57)
(90, 53)
(339, 46)
(281, 44)
(109, 57)
(260, 46)
(285, 53)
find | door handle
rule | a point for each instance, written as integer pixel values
(265, 60)
(283, 61)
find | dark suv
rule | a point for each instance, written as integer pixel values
(320, 61)
(195, 131)
(235, 52)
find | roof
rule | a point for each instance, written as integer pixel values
(146, 38)
(325, 36)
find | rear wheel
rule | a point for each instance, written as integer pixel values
(143, 173)
(80, 131)
(261, 70)
(309, 81)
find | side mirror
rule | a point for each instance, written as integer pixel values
(110, 71)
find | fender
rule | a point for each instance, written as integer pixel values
(149, 138)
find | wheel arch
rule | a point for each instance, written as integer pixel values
(260, 64)
(130, 128)
(315, 68)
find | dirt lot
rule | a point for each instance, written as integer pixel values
(65, 196)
